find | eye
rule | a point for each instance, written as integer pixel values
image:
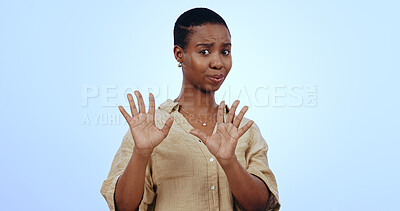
(205, 52)
(226, 52)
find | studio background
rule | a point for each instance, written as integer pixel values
(320, 78)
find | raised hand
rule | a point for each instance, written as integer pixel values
(143, 128)
(222, 144)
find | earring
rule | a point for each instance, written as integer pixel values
(180, 64)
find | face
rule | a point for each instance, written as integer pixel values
(207, 59)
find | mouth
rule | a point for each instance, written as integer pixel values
(216, 78)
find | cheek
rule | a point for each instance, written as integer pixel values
(199, 63)
(228, 63)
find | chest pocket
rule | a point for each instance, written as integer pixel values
(172, 161)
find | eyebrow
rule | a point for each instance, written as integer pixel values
(211, 44)
(205, 44)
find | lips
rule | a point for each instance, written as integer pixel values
(216, 78)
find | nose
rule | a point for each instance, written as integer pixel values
(216, 62)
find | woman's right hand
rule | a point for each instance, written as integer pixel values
(145, 133)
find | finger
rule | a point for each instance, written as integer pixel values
(125, 114)
(139, 97)
(220, 115)
(167, 126)
(132, 105)
(239, 117)
(200, 134)
(152, 103)
(245, 127)
(232, 111)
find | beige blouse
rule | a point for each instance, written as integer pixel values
(183, 175)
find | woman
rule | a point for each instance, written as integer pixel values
(203, 157)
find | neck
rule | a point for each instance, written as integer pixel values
(196, 100)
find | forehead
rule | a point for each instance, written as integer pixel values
(209, 33)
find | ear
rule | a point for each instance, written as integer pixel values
(178, 53)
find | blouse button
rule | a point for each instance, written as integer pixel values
(211, 159)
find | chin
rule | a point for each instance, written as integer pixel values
(209, 89)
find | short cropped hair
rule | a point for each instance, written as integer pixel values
(194, 17)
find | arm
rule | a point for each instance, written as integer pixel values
(249, 190)
(130, 185)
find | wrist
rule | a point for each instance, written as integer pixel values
(228, 163)
(142, 153)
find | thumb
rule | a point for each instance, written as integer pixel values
(167, 126)
(200, 134)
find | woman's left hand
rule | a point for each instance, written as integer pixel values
(222, 144)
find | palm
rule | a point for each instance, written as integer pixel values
(143, 128)
(144, 131)
(222, 144)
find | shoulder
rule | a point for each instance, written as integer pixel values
(254, 129)
(253, 134)
(163, 111)
(161, 117)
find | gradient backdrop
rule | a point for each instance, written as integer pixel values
(320, 78)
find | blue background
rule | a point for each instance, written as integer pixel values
(66, 65)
